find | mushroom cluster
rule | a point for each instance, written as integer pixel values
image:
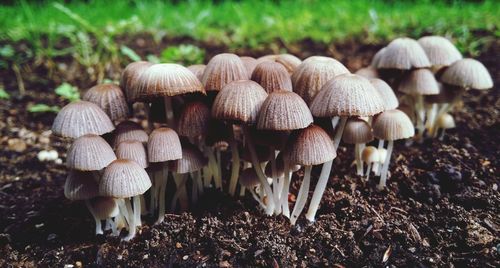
(240, 124)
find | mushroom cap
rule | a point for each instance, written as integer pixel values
(198, 70)
(192, 160)
(376, 58)
(403, 54)
(388, 97)
(393, 125)
(164, 145)
(79, 118)
(347, 95)
(239, 102)
(284, 110)
(124, 178)
(446, 121)
(357, 131)
(129, 131)
(250, 63)
(468, 73)
(370, 155)
(167, 80)
(369, 72)
(280, 167)
(133, 150)
(289, 61)
(310, 146)
(248, 178)
(194, 119)
(104, 207)
(263, 153)
(272, 76)
(223, 69)
(439, 50)
(130, 79)
(110, 98)
(419, 82)
(80, 185)
(88, 153)
(313, 73)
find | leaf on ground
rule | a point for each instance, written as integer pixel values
(3, 94)
(43, 108)
(68, 92)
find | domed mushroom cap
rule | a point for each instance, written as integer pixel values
(393, 125)
(250, 63)
(124, 178)
(313, 73)
(468, 73)
(167, 79)
(130, 79)
(376, 58)
(367, 72)
(129, 131)
(164, 145)
(79, 118)
(347, 95)
(104, 207)
(284, 110)
(357, 131)
(386, 93)
(272, 76)
(439, 50)
(446, 121)
(310, 146)
(198, 70)
(222, 70)
(239, 102)
(89, 152)
(194, 120)
(110, 98)
(133, 150)
(419, 82)
(248, 178)
(192, 160)
(280, 167)
(370, 155)
(289, 61)
(403, 54)
(80, 185)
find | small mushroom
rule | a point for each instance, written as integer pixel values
(129, 131)
(358, 132)
(110, 98)
(223, 69)
(272, 76)
(370, 156)
(440, 51)
(106, 208)
(89, 153)
(130, 79)
(445, 122)
(194, 121)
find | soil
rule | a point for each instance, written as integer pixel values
(441, 206)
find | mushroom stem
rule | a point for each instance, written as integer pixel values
(199, 182)
(368, 170)
(180, 193)
(114, 228)
(147, 111)
(194, 189)
(161, 196)
(152, 193)
(235, 165)
(335, 121)
(123, 211)
(385, 167)
(376, 165)
(357, 156)
(137, 210)
(446, 108)
(431, 117)
(319, 190)
(339, 132)
(212, 163)
(242, 190)
(276, 181)
(302, 195)
(169, 113)
(132, 226)
(256, 197)
(285, 190)
(420, 112)
(98, 226)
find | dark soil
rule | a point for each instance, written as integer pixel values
(441, 207)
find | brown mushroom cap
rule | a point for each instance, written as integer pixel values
(403, 54)
(104, 207)
(282, 111)
(110, 98)
(393, 125)
(250, 63)
(357, 131)
(194, 120)
(272, 76)
(439, 50)
(222, 70)
(239, 102)
(347, 95)
(79, 118)
(313, 73)
(198, 70)
(89, 152)
(280, 167)
(129, 131)
(192, 160)
(289, 61)
(133, 150)
(419, 82)
(164, 145)
(248, 178)
(369, 72)
(468, 74)
(386, 93)
(130, 79)
(80, 185)
(167, 80)
(310, 146)
(124, 178)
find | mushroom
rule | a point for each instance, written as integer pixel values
(130, 79)
(445, 122)
(358, 132)
(129, 131)
(194, 120)
(289, 61)
(223, 69)
(198, 70)
(402, 54)
(90, 153)
(106, 208)
(388, 97)
(369, 72)
(249, 180)
(272, 76)
(440, 51)
(370, 156)
(110, 98)
(376, 58)
(250, 63)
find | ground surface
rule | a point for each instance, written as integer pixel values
(441, 206)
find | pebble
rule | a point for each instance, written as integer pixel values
(16, 145)
(185, 257)
(45, 155)
(78, 264)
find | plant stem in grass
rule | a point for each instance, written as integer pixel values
(319, 190)
(385, 167)
(302, 195)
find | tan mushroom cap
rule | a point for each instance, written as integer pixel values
(192, 160)
(133, 150)
(280, 167)
(446, 121)
(124, 178)
(167, 80)
(194, 120)
(419, 82)
(248, 178)
(370, 155)
(223, 69)
(164, 145)
(289, 61)
(439, 50)
(104, 207)
(250, 63)
(386, 93)
(88, 153)
(130, 79)
(129, 131)
(403, 54)
(313, 73)
(110, 98)
(310, 146)
(376, 58)
(393, 125)
(79, 118)
(239, 102)
(357, 131)
(198, 70)
(468, 74)
(347, 95)
(284, 110)
(80, 185)
(368, 72)
(272, 76)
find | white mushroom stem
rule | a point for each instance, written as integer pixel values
(132, 226)
(368, 170)
(137, 210)
(441, 137)
(385, 167)
(358, 148)
(420, 112)
(339, 131)
(199, 182)
(180, 193)
(256, 197)
(194, 189)
(285, 190)
(147, 111)
(431, 117)
(319, 190)
(98, 224)
(242, 190)
(276, 181)
(235, 165)
(207, 176)
(302, 195)
(123, 211)
(376, 165)
(214, 166)
(335, 121)
(152, 193)
(114, 229)
(169, 112)
(161, 196)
